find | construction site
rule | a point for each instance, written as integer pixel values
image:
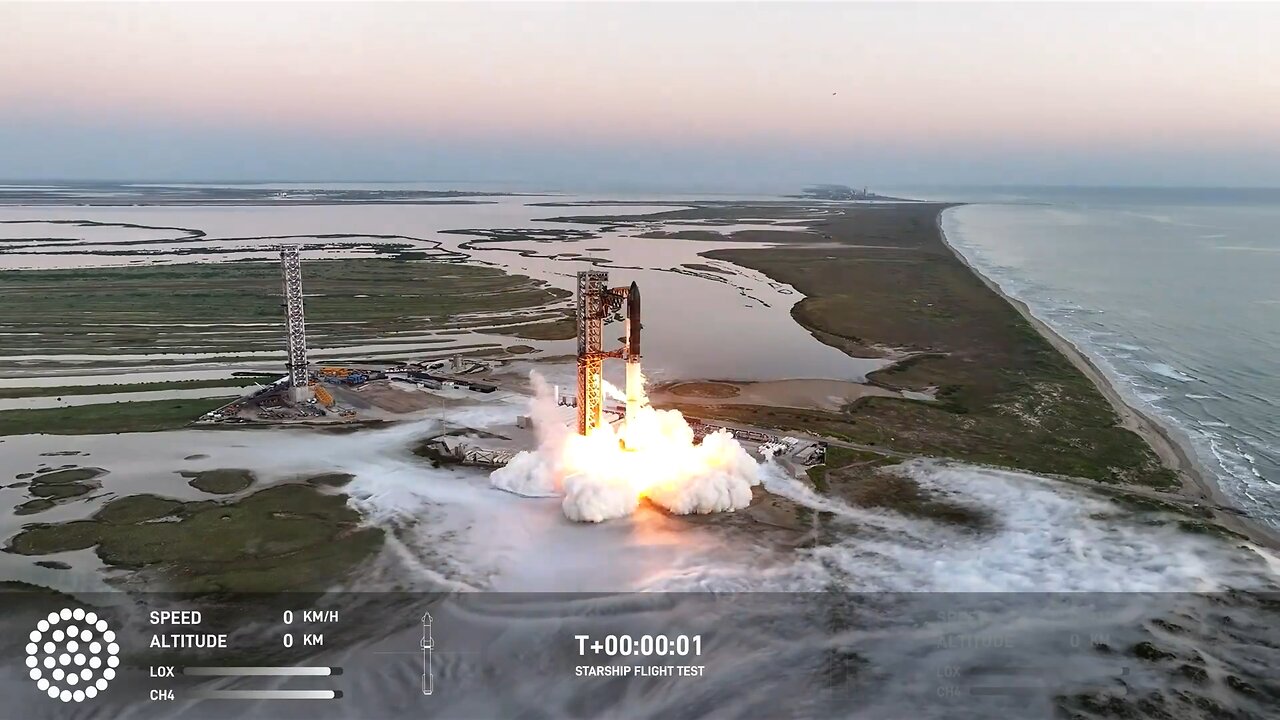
(309, 393)
(315, 394)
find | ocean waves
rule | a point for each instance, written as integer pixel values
(1173, 324)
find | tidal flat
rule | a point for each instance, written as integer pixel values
(290, 537)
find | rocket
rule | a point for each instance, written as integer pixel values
(596, 304)
(635, 383)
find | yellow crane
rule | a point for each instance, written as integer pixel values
(322, 395)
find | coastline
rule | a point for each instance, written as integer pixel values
(1196, 484)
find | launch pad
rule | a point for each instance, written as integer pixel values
(598, 305)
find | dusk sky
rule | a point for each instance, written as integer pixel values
(650, 95)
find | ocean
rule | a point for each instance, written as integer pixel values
(1174, 293)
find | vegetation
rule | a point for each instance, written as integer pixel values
(66, 476)
(899, 493)
(71, 390)
(236, 307)
(883, 279)
(283, 538)
(31, 507)
(562, 326)
(219, 482)
(50, 486)
(854, 475)
(334, 479)
(703, 267)
(147, 416)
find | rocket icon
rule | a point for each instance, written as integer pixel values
(428, 644)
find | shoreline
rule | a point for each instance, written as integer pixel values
(1197, 485)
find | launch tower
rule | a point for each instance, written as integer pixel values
(295, 324)
(597, 305)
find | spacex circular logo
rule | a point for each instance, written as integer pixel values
(72, 655)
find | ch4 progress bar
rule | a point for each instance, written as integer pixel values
(266, 694)
(263, 671)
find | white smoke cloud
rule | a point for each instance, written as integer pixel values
(538, 473)
(613, 392)
(722, 482)
(600, 480)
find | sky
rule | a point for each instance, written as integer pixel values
(682, 95)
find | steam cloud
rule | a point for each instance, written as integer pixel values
(600, 480)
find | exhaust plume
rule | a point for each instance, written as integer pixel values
(600, 480)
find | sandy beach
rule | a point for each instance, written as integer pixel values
(1196, 484)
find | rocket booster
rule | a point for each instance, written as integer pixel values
(635, 383)
(633, 323)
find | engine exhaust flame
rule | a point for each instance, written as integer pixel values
(606, 474)
(612, 392)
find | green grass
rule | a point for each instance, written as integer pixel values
(106, 418)
(71, 390)
(67, 476)
(860, 486)
(244, 291)
(137, 509)
(283, 538)
(47, 488)
(59, 492)
(234, 307)
(818, 476)
(565, 328)
(842, 457)
(219, 482)
(31, 507)
(838, 457)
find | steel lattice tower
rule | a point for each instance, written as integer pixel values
(295, 323)
(592, 308)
